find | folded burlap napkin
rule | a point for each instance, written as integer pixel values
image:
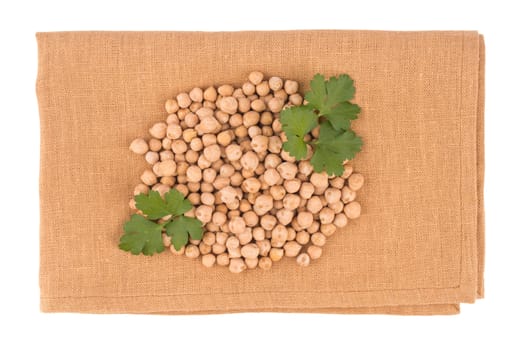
(416, 249)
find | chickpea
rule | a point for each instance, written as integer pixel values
(155, 145)
(226, 170)
(234, 253)
(275, 144)
(258, 105)
(262, 89)
(184, 100)
(259, 143)
(194, 198)
(251, 185)
(292, 248)
(291, 87)
(206, 126)
(326, 216)
(271, 177)
(302, 237)
(291, 201)
(265, 263)
(275, 104)
(140, 188)
(251, 263)
(233, 152)
(221, 182)
(303, 259)
(139, 146)
(277, 192)
(228, 105)
(250, 251)
(212, 153)
(208, 260)
(148, 178)
(272, 161)
(314, 252)
(305, 167)
(223, 259)
(337, 207)
(284, 216)
(228, 194)
(192, 251)
(249, 161)
(353, 210)
(179, 147)
(250, 218)
(203, 162)
(318, 239)
(263, 204)
(194, 173)
(173, 131)
(287, 170)
(208, 175)
(347, 195)
(225, 90)
(319, 179)
(237, 225)
(204, 213)
(218, 248)
(305, 219)
(152, 157)
(207, 198)
(210, 94)
(268, 222)
(237, 265)
(171, 106)
(347, 172)
(279, 234)
(276, 254)
(182, 189)
(224, 138)
(158, 130)
(340, 220)
(258, 233)
(292, 186)
(356, 181)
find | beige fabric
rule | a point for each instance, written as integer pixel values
(418, 247)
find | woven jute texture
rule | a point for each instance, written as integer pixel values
(418, 246)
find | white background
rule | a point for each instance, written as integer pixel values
(495, 321)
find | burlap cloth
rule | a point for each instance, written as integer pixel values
(418, 246)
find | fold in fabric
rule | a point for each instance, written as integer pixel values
(418, 246)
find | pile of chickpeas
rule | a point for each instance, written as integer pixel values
(222, 148)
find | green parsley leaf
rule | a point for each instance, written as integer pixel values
(141, 236)
(176, 204)
(339, 89)
(334, 147)
(317, 95)
(144, 235)
(152, 205)
(340, 115)
(179, 229)
(328, 106)
(296, 123)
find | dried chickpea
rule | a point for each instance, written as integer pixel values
(139, 146)
(194, 173)
(204, 213)
(326, 216)
(276, 254)
(151, 157)
(305, 219)
(291, 87)
(318, 239)
(292, 248)
(155, 145)
(223, 259)
(303, 259)
(284, 216)
(148, 178)
(237, 265)
(302, 237)
(184, 100)
(352, 210)
(292, 186)
(192, 251)
(328, 229)
(158, 130)
(263, 204)
(265, 263)
(287, 170)
(171, 106)
(250, 251)
(262, 89)
(356, 181)
(208, 260)
(181, 251)
(314, 252)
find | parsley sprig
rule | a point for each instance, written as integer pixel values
(329, 108)
(143, 233)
